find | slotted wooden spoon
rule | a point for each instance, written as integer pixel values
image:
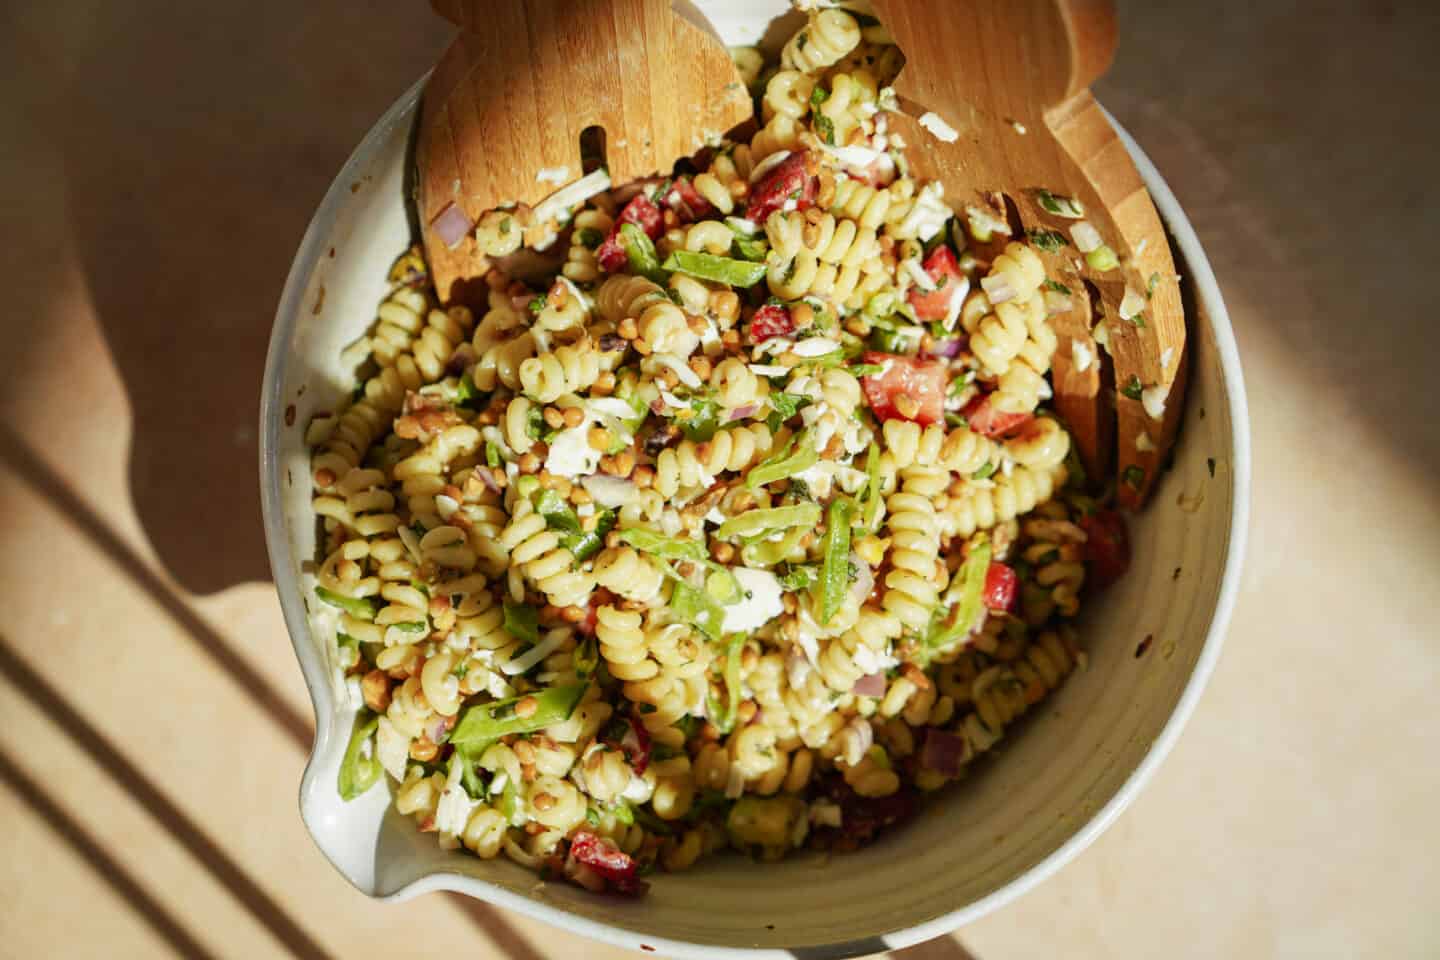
(1012, 78)
(512, 95)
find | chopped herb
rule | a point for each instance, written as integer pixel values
(589, 237)
(707, 266)
(557, 511)
(1051, 241)
(1132, 388)
(819, 95)
(835, 573)
(703, 421)
(800, 576)
(1150, 286)
(697, 607)
(960, 383)
(1102, 259)
(585, 658)
(467, 394)
(1057, 286)
(584, 545)
(1133, 477)
(825, 127)
(522, 622)
(492, 454)
(535, 422)
(1059, 206)
(507, 224)
(1139, 320)
(985, 470)
(865, 369)
(621, 811)
(536, 305)
(592, 816)
(788, 404)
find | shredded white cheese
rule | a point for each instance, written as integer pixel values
(1086, 237)
(392, 748)
(815, 347)
(561, 201)
(571, 455)
(1082, 355)
(943, 131)
(1153, 399)
(760, 604)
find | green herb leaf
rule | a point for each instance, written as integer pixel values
(825, 128)
(800, 576)
(358, 772)
(797, 456)
(788, 404)
(535, 422)
(1102, 259)
(702, 424)
(865, 369)
(493, 457)
(589, 237)
(1057, 286)
(361, 608)
(1059, 206)
(1133, 477)
(556, 511)
(583, 546)
(1051, 241)
(536, 305)
(1132, 388)
(835, 574)
(707, 266)
(986, 469)
(491, 721)
(753, 523)
(818, 95)
(1151, 285)
(522, 622)
(467, 395)
(697, 607)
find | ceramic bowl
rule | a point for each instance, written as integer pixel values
(1064, 776)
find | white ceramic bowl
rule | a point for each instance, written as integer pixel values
(1038, 802)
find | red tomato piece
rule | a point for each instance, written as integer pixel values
(793, 177)
(923, 381)
(620, 873)
(771, 320)
(940, 267)
(985, 420)
(1107, 549)
(686, 201)
(639, 211)
(631, 738)
(1000, 586)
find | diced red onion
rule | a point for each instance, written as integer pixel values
(740, 413)
(943, 752)
(948, 348)
(872, 685)
(452, 226)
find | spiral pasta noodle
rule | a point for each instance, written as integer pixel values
(828, 36)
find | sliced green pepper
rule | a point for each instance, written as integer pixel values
(754, 522)
(707, 266)
(583, 546)
(522, 622)
(659, 545)
(585, 658)
(797, 456)
(874, 494)
(358, 772)
(965, 596)
(697, 607)
(491, 721)
(703, 421)
(640, 251)
(556, 511)
(767, 553)
(361, 608)
(835, 573)
(723, 716)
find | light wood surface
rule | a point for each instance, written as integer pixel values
(1012, 78)
(1295, 818)
(524, 78)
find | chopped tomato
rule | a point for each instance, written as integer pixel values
(985, 420)
(619, 871)
(792, 178)
(592, 619)
(639, 211)
(771, 320)
(686, 201)
(923, 381)
(940, 267)
(1000, 586)
(1107, 549)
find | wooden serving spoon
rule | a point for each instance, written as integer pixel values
(503, 112)
(1012, 78)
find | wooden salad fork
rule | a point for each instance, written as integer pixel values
(503, 113)
(1009, 82)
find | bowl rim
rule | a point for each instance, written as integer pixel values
(317, 679)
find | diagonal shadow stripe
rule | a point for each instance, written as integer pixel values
(107, 755)
(97, 859)
(49, 485)
(941, 948)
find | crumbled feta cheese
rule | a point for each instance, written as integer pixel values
(1082, 355)
(555, 175)
(1086, 237)
(1153, 399)
(585, 510)
(455, 807)
(715, 516)
(815, 347)
(943, 131)
(611, 407)
(1133, 303)
(571, 455)
(1019, 127)
(672, 401)
(392, 748)
(856, 159)
(761, 603)
(1165, 357)
(1143, 443)
(927, 217)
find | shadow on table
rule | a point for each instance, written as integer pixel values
(195, 151)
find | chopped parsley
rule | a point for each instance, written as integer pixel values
(1057, 286)
(1051, 241)
(1132, 389)
(1133, 477)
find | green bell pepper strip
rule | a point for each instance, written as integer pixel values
(698, 607)
(556, 511)
(754, 522)
(583, 546)
(965, 596)
(522, 622)
(585, 658)
(870, 516)
(467, 757)
(491, 721)
(797, 456)
(358, 773)
(707, 266)
(640, 251)
(659, 545)
(835, 573)
(413, 627)
(767, 553)
(361, 608)
(724, 719)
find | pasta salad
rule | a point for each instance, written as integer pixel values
(732, 515)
